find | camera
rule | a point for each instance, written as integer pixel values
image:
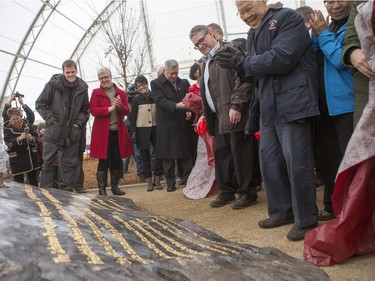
(26, 130)
(17, 95)
(132, 92)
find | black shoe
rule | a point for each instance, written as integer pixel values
(220, 202)
(244, 201)
(297, 234)
(171, 188)
(270, 223)
(117, 191)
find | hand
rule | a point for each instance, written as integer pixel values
(359, 61)
(11, 97)
(201, 118)
(30, 137)
(117, 101)
(234, 116)
(134, 137)
(111, 108)
(188, 115)
(231, 58)
(181, 105)
(318, 22)
(20, 100)
(22, 136)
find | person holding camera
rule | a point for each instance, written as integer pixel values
(30, 116)
(21, 139)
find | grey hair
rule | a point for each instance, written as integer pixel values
(105, 70)
(305, 12)
(198, 28)
(215, 27)
(171, 63)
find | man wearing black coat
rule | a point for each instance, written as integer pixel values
(174, 134)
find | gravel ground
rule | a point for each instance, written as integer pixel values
(234, 225)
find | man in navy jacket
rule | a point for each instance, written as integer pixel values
(281, 65)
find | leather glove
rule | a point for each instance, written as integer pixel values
(134, 137)
(231, 58)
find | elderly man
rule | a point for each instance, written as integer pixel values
(174, 134)
(226, 102)
(280, 61)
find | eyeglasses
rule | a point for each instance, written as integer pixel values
(331, 3)
(200, 41)
(104, 78)
(248, 9)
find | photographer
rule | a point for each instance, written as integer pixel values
(21, 139)
(30, 116)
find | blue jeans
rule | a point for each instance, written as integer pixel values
(287, 166)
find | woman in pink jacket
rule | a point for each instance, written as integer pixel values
(109, 139)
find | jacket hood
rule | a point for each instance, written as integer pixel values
(56, 81)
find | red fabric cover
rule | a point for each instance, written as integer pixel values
(257, 135)
(210, 146)
(194, 89)
(201, 127)
(353, 231)
(194, 103)
(201, 130)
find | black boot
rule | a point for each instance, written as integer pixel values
(101, 176)
(150, 186)
(115, 176)
(171, 184)
(157, 182)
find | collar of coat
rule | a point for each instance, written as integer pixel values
(164, 80)
(102, 92)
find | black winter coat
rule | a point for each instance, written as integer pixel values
(61, 112)
(174, 133)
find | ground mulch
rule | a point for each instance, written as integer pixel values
(89, 168)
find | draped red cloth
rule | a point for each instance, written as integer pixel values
(353, 200)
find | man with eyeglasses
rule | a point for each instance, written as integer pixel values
(226, 104)
(64, 105)
(281, 65)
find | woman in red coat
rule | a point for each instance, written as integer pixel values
(109, 139)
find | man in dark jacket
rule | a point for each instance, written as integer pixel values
(174, 134)
(64, 105)
(226, 104)
(279, 60)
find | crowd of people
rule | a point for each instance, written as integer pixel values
(300, 80)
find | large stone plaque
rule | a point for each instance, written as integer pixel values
(48, 234)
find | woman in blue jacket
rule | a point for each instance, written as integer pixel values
(329, 40)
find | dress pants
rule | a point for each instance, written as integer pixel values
(236, 164)
(169, 167)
